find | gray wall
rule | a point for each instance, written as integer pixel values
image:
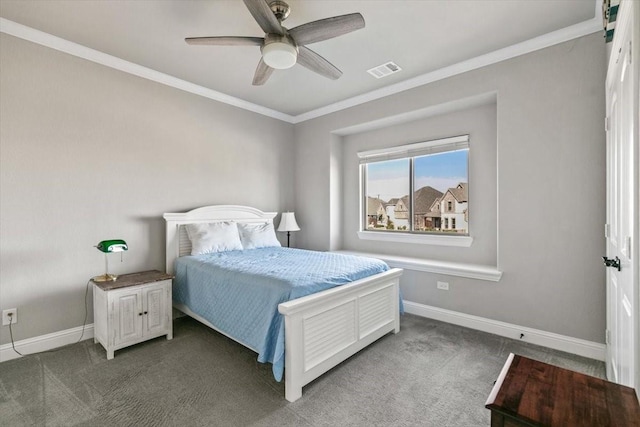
(550, 198)
(89, 153)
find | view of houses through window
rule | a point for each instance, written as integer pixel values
(438, 183)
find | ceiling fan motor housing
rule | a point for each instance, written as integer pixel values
(280, 9)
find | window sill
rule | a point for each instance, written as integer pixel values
(470, 271)
(422, 239)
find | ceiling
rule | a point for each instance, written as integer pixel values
(421, 36)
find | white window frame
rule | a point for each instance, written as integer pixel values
(407, 151)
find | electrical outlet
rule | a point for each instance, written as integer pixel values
(6, 319)
(443, 285)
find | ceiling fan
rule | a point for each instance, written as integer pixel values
(281, 47)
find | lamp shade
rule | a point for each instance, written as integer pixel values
(288, 222)
(113, 245)
(279, 55)
(110, 246)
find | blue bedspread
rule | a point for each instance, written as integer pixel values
(239, 291)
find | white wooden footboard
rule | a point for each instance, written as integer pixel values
(322, 330)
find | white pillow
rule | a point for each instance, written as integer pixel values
(213, 237)
(255, 236)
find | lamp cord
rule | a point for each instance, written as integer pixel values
(11, 334)
(86, 310)
(84, 324)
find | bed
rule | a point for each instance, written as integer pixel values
(311, 333)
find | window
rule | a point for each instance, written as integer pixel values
(417, 188)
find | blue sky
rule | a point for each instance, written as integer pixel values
(441, 171)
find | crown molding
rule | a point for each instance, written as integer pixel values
(75, 49)
(45, 39)
(421, 113)
(556, 37)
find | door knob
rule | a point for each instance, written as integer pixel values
(615, 263)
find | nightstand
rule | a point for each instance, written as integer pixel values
(132, 309)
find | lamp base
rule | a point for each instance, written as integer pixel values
(106, 278)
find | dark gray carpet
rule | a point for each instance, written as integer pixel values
(430, 374)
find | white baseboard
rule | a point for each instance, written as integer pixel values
(45, 342)
(564, 343)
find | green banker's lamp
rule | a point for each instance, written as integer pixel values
(109, 246)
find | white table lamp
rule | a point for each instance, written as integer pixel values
(288, 223)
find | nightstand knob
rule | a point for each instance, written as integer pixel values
(139, 314)
(145, 312)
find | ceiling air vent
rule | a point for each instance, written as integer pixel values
(384, 70)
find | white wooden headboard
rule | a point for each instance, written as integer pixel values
(177, 241)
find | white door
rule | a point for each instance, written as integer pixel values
(128, 317)
(622, 292)
(155, 310)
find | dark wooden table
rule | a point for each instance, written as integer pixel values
(532, 393)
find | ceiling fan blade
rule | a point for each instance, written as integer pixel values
(264, 16)
(311, 60)
(327, 28)
(263, 72)
(225, 41)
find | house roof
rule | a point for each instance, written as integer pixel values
(460, 192)
(423, 198)
(373, 203)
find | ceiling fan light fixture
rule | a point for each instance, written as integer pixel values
(279, 55)
(283, 48)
